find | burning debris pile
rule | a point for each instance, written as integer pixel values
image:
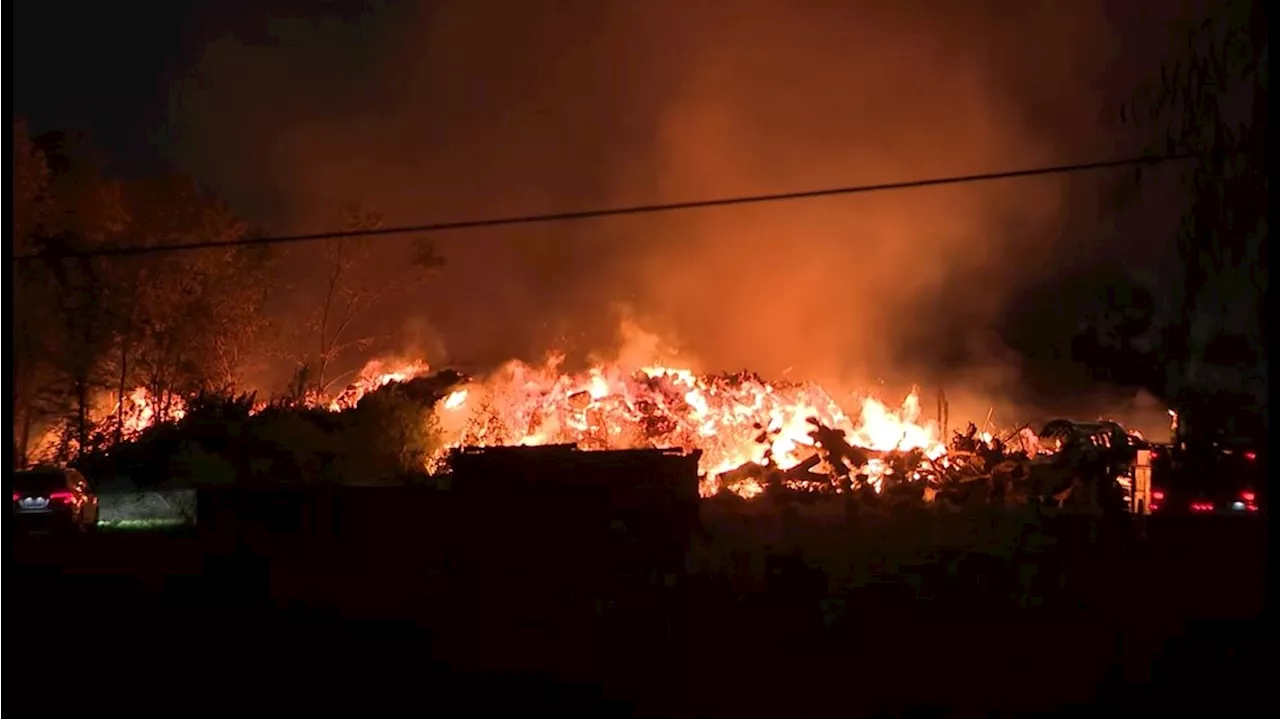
(784, 441)
(789, 441)
(973, 467)
(740, 422)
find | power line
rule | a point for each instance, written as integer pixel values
(616, 211)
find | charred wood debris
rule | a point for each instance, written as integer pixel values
(1012, 469)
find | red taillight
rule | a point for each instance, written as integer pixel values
(1250, 456)
(1251, 507)
(1202, 506)
(62, 496)
(1157, 495)
(1248, 496)
(1154, 507)
(17, 496)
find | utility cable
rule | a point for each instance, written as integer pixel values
(612, 212)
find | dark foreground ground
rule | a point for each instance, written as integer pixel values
(260, 622)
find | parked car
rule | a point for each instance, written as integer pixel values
(51, 498)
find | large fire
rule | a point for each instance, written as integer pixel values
(735, 420)
(142, 409)
(132, 414)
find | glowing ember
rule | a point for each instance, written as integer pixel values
(735, 420)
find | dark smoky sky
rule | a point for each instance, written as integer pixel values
(466, 109)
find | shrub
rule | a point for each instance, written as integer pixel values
(387, 437)
(389, 433)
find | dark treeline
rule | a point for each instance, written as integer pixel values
(1189, 329)
(388, 437)
(90, 332)
(174, 323)
(1209, 101)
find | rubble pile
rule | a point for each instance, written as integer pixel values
(773, 441)
(976, 469)
(779, 441)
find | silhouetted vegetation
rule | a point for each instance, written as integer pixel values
(89, 331)
(1210, 101)
(386, 438)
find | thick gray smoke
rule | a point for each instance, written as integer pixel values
(479, 108)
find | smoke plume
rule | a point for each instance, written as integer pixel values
(482, 108)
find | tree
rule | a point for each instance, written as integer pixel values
(1210, 101)
(173, 322)
(236, 295)
(63, 322)
(31, 204)
(30, 296)
(348, 292)
(1116, 336)
(185, 318)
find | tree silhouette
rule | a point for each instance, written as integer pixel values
(87, 326)
(35, 394)
(79, 209)
(1210, 100)
(184, 318)
(349, 293)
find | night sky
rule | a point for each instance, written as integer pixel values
(456, 110)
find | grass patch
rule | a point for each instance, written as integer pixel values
(141, 525)
(147, 506)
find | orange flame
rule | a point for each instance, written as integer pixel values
(734, 420)
(142, 410)
(374, 375)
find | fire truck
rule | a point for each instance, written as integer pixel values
(1215, 461)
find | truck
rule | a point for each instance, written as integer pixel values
(1215, 461)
